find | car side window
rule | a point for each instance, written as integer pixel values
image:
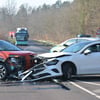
(98, 47)
(94, 48)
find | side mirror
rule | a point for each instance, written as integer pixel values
(86, 52)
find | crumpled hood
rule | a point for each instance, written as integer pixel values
(54, 55)
(6, 54)
(20, 52)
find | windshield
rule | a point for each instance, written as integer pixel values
(69, 42)
(21, 36)
(75, 47)
(6, 46)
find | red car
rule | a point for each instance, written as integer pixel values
(14, 60)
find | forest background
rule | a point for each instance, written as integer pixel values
(56, 23)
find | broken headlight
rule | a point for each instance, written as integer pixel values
(14, 60)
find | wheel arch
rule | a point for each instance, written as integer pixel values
(72, 65)
(7, 66)
(4, 71)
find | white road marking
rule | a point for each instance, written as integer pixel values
(91, 83)
(84, 89)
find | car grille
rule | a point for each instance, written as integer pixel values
(38, 68)
(27, 61)
(21, 62)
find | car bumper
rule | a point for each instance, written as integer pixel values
(21, 43)
(41, 71)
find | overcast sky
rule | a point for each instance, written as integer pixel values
(33, 3)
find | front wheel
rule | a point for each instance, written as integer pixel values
(67, 71)
(3, 71)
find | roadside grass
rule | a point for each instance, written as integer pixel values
(46, 43)
(12, 40)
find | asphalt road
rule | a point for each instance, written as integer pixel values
(84, 88)
(37, 47)
(77, 89)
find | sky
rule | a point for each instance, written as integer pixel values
(33, 3)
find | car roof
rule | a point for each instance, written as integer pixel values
(81, 38)
(87, 38)
(89, 42)
(3, 41)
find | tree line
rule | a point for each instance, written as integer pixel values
(56, 22)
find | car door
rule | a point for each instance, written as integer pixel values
(89, 63)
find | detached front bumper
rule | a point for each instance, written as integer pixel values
(42, 71)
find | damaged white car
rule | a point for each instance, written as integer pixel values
(78, 59)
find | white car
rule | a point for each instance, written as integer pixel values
(71, 41)
(78, 59)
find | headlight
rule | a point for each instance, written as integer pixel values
(13, 60)
(53, 62)
(1, 59)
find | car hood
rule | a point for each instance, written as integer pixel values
(54, 55)
(20, 52)
(6, 54)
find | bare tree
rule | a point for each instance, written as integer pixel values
(11, 6)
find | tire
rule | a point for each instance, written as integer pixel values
(3, 71)
(67, 71)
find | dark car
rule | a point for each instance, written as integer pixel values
(21, 36)
(13, 59)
